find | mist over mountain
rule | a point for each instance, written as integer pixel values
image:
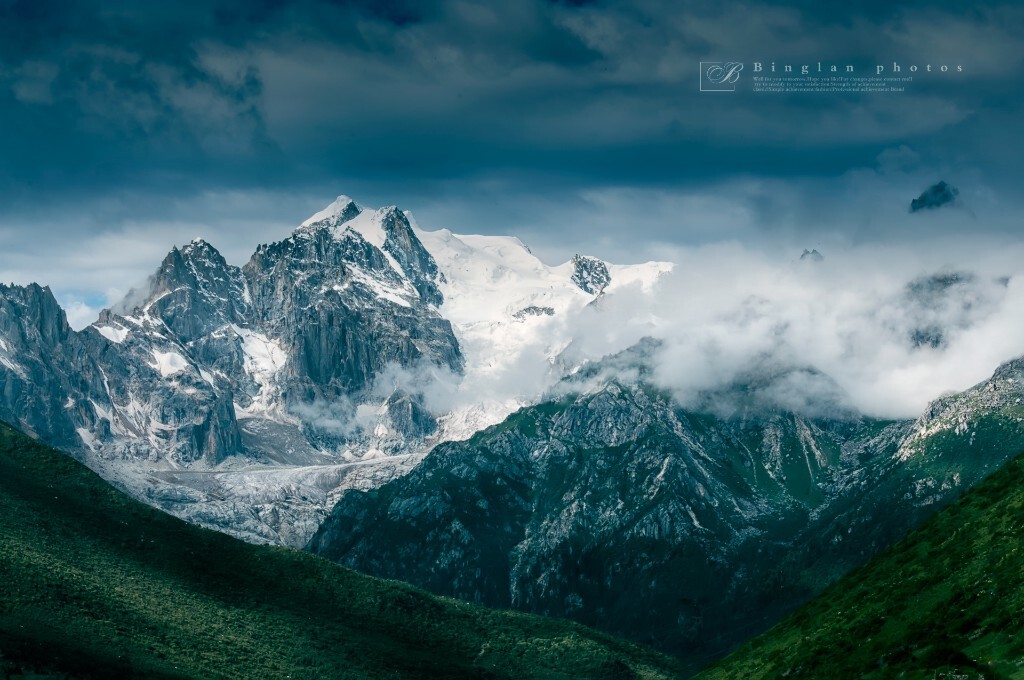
(362, 335)
(506, 301)
(690, 530)
(570, 440)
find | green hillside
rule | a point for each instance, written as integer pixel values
(95, 584)
(946, 602)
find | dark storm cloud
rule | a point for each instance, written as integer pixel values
(242, 93)
(103, 94)
(561, 121)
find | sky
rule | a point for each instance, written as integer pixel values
(577, 126)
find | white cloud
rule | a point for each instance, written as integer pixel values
(730, 313)
(79, 313)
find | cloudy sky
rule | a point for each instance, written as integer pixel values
(578, 126)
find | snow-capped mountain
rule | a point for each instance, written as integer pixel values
(422, 404)
(246, 398)
(504, 303)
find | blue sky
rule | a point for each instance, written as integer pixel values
(577, 126)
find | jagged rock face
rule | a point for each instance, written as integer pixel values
(590, 274)
(76, 391)
(401, 243)
(46, 372)
(688, 531)
(162, 375)
(343, 312)
(195, 292)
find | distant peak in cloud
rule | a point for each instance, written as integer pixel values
(811, 255)
(935, 196)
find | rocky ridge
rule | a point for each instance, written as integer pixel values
(690, 531)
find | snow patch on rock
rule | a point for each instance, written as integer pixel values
(115, 335)
(169, 363)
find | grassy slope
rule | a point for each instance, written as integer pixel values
(93, 583)
(946, 602)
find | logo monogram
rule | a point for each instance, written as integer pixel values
(719, 76)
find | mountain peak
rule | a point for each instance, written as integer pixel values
(936, 196)
(340, 210)
(196, 253)
(199, 246)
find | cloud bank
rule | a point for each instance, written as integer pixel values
(876, 331)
